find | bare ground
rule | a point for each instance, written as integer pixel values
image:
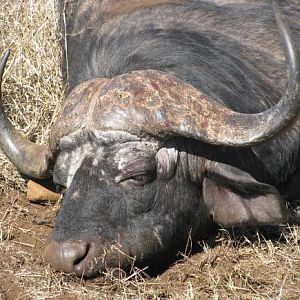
(230, 265)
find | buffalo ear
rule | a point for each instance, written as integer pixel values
(235, 198)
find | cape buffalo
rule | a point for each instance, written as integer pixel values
(179, 115)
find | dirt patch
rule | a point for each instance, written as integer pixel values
(24, 228)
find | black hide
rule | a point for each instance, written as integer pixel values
(146, 195)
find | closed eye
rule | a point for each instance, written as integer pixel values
(139, 179)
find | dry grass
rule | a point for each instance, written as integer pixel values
(229, 267)
(32, 89)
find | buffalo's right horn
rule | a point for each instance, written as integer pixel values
(30, 159)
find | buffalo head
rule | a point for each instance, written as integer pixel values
(126, 153)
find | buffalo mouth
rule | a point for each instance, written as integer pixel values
(86, 259)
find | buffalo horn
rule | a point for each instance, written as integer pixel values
(30, 159)
(237, 129)
(175, 108)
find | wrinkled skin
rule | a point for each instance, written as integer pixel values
(113, 197)
(130, 198)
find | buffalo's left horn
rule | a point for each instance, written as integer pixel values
(30, 159)
(216, 124)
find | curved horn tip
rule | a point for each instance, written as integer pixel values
(291, 51)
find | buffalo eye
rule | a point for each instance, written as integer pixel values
(139, 180)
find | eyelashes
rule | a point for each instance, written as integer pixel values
(139, 179)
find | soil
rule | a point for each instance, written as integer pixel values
(26, 228)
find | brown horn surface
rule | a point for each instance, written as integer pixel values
(30, 159)
(157, 103)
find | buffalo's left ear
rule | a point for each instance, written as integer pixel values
(235, 198)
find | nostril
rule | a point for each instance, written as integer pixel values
(82, 255)
(67, 255)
